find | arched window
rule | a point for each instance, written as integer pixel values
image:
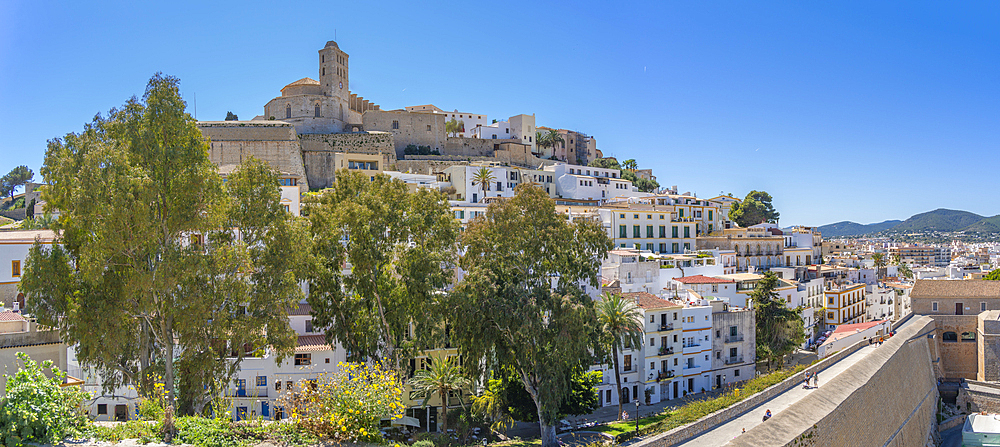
(20, 301)
(316, 112)
(288, 111)
(949, 336)
(968, 336)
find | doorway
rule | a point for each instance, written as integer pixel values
(121, 413)
(958, 308)
(623, 395)
(676, 391)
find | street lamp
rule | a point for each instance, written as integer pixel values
(637, 417)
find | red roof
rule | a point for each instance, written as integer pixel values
(312, 343)
(10, 316)
(702, 279)
(853, 328)
(649, 301)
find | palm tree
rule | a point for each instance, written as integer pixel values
(483, 177)
(490, 405)
(442, 378)
(548, 139)
(620, 322)
(630, 164)
(880, 263)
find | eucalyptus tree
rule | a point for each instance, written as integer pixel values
(521, 305)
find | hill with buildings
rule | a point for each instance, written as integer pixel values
(938, 220)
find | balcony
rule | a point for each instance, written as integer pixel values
(666, 327)
(666, 350)
(734, 360)
(663, 375)
(734, 338)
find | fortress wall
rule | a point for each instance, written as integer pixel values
(318, 153)
(232, 142)
(887, 398)
(476, 147)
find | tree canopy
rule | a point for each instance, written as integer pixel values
(582, 397)
(993, 276)
(521, 304)
(620, 323)
(400, 249)
(756, 208)
(17, 177)
(779, 329)
(627, 172)
(163, 273)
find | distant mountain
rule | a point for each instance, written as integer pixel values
(847, 228)
(939, 220)
(987, 225)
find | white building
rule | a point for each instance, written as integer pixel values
(14, 246)
(462, 179)
(584, 182)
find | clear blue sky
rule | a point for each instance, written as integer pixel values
(861, 111)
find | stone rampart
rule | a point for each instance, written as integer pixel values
(975, 396)
(888, 398)
(476, 147)
(686, 432)
(232, 142)
(356, 143)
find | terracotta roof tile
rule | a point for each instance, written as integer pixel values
(312, 343)
(649, 301)
(303, 309)
(10, 316)
(702, 279)
(941, 288)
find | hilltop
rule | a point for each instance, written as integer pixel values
(938, 220)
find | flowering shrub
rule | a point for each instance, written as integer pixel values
(36, 408)
(346, 406)
(151, 408)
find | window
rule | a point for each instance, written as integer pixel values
(982, 306)
(652, 342)
(732, 352)
(261, 380)
(934, 306)
(736, 373)
(715, 288)
(102, 408)
(303, 359)
(829, 315)
(968, 336)
(649, 231)
(309, 326)
(673, 232)
(635, 216)
(663, 230)
(830, 301)
(635, 232)
(395, 124)
(674, 247)
(732, 331)
(675, 361)
(289, 385)
(709, 214)
(15, 268)
(687, 231)
(277, 385)
(316, 111)
(622, 231)
(949, 336)
(628, 362)
(288, 111)
(621, 216)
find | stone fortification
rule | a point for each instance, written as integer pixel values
(473, 146)
(319, 153)
(887, 398)
(232, 142)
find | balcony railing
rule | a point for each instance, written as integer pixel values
(663, 375)
(734, 338)
(667, 327)
(734, 360)
(666, 350)
(691, 345)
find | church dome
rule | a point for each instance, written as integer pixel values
(304, 86)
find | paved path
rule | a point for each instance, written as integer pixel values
(732, 429)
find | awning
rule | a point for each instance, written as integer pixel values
(406, 420)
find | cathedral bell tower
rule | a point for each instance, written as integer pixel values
(333, 72)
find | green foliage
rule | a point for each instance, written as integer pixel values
(509, 309)
(442, 378)
(412, 149)
(453, 126)
(779, 329)
(620, 325)
(133, 429)
(993, 276)
(880, 264)
(204, 432)
(756, 208)
(626, 173)
(230, 116)
(401, 246)
(18, 176)
(606, 163)
(201, 298)
(423, 443)
(35, 408)
(548, 139)
(483, 177)
(517, 403)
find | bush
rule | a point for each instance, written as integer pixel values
(424, 443)
(126, 430)
(346, 406)
(36, 408)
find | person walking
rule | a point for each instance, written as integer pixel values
(816, 379)
(808, 376)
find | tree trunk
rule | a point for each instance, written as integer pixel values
(168, 376)
(548, 431)
(618, 380)
(444, 409)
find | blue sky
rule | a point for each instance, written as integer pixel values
(861, 111)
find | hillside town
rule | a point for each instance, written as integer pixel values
(689, 271)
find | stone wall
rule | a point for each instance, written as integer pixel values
(959, 359)
(232, 142)
(887, 398)
(976, 396)
(476, 147)
(8, 293)
(318, 153)
(419, 129)
(686, 432)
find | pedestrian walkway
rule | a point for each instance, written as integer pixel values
(732, 429)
